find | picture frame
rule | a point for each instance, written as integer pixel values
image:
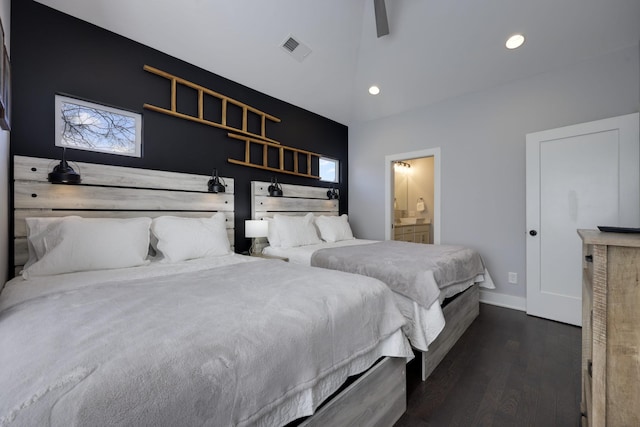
(91, 126)
(5, 84)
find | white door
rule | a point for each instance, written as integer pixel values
(578, 176)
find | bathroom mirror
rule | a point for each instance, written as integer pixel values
(401, 189)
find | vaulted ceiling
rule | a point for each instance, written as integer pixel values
(436, 49)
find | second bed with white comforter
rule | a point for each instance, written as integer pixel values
(420, 276)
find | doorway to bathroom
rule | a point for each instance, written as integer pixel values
(412, 196)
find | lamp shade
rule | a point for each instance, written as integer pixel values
(214, 185)
(64, 174)
(256, 228)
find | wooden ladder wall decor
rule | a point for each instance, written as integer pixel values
(236, 133)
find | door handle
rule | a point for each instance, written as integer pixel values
(533, 232)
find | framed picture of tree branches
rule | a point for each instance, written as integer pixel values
(90, 126)
(5, 84)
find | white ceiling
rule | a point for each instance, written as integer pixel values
(436, 49)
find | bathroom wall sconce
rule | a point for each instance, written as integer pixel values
(214, 185)
(401, 164)
(275, 189)
(63, 173)
(333, 194)
(254, 229)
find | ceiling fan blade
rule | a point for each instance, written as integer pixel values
(382, 25)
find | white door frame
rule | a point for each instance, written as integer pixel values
(388, 185)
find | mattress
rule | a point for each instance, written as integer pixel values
(218, 341)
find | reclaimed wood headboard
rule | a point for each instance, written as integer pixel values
(110, 192)
(296, 200)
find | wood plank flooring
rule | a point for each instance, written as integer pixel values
(508, 369)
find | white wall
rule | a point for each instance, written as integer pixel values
(5, 14)
(482, 138)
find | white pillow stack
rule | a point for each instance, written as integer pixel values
(38, 229)
(181, 239)
(287, 231)
(60, 245)
(295, 231)
(334, 228)
(272, 233)
(82, 244)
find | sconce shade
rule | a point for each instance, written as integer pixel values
(333, 194)
(214, 184)
(275, 190)
(64, 174)
(254, 228)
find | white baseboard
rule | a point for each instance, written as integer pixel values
(503, 300)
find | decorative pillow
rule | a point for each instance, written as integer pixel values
(334, 228)
(83, 244)
(272, 233)
(180, 239)
(37, 229)
(296, 230)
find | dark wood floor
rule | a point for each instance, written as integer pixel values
(508, 369)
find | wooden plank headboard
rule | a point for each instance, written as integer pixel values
(296, 200)
(110, 192)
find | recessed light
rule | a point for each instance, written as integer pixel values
(515, 41)
(374, 90)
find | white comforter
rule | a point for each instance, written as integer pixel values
(260, 343)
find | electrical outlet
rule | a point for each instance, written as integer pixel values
(513, 277)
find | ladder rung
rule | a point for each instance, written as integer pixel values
(239, 162)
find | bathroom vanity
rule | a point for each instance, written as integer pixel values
(416, 233)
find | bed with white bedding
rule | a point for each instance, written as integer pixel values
(98, 331)
(215, 341)
(306, 229)
(425, 318)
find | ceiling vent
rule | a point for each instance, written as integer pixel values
(295, 48)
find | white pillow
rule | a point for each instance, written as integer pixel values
(272, 233)
(180, 239)
(296, 230)
(37, 230)
(334, 228)
(83, 244)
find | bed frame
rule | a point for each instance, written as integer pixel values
(377, 398)
(299, 200)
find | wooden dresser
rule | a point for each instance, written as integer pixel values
(610, 329)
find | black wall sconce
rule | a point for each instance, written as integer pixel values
(333, 194)
(275, 190)
(214, 184)
(63, 173)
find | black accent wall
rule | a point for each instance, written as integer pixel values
(52, 52)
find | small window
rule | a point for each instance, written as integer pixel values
(329, 169)
(89, 126)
